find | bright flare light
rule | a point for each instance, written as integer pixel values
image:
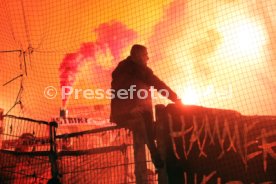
(249, 37)
(190, 96)
(242, 37)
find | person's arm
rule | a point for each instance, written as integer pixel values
(152, 80)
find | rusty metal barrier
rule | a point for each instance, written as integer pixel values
(102, 155)
(24, 150)
(32, 152)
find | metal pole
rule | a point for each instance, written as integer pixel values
(53, 155)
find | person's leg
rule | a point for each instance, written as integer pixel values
(141, 124)
(148, 130)
(133, 122)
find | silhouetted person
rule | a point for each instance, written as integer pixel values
(132, 111)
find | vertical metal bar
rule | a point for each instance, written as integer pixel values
(53, 154)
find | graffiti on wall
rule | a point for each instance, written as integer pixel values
(213, 143)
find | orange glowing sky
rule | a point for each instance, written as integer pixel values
(215, 54)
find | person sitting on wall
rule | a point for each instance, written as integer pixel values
(131, 107)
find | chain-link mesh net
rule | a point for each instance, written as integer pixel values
(24, 150)
(55, 54)
(100, 156)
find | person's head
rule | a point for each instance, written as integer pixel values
(139, 54)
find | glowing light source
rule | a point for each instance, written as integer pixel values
(249, 37)
(190, 96)
(243, 37)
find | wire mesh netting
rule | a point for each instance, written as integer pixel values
(23, 134)
(215, 54)
(100, 156)
(58, 56)
(24, 168)
(24, 150)
(94, 156)
(210, 145)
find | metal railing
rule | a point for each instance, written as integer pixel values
(32, 152)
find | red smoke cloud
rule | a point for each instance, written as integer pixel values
(113, 37)
(168, 29)
(116, 36)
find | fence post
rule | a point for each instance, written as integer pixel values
(53, 154)
(1, 126)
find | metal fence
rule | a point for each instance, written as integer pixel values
(31, 152)
(99, 156)
(25, 147)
